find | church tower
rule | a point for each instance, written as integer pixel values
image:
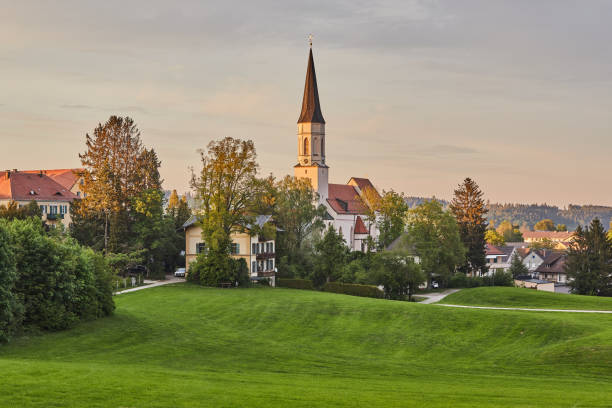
(311, 136)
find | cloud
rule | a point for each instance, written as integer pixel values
(449, 150)
(119, 109)
(76, 106)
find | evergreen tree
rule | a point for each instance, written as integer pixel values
(331, 256)
(517, 267)
(470, 212)
(589, 261)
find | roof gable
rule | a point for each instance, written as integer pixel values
(360, 227)
(24, 186)
(344, 199)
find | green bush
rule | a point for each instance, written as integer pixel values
(10, 307)
(214, 268)
(499, 278)
(353, 289)
(58, 282)
(295, 283)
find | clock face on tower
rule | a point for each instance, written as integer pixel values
(305, 161)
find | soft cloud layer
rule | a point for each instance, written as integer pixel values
(417, 94)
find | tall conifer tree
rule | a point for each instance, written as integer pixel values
(470, 211)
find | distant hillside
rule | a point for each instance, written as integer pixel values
(526, 215)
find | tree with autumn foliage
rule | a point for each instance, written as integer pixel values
(470, 211)
(117, 168)
(226, 187)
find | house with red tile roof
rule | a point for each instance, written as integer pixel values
(71, 179)
(346, 204)
(561, 239)
(23, 187)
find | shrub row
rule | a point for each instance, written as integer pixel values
(499, 278)
(295, 283)
(48, 282)
(353, 289)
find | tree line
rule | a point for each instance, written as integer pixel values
(434, 243)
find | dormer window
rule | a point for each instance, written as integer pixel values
(32, 192)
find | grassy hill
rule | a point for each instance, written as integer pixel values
(527, 298)
(185, 346)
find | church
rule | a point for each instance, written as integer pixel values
(346, 204)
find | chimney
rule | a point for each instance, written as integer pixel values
(8, 174)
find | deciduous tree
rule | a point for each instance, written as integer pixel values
(544, 225)
(494, 238)
(433, 236)
(226, 187)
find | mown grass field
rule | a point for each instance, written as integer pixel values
(526, 298)
(187, 346)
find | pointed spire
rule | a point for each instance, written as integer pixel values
(311, 109)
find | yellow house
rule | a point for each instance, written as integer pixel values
(258, 252)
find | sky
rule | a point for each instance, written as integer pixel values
(417, 95)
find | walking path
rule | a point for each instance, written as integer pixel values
(526, 309)
(436, 296)
(169, 280)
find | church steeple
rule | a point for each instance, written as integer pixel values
(311, 135)
(311, 108)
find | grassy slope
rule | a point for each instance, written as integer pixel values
(182, 346)
(528, 298)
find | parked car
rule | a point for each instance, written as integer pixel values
(180, 273)
(434, 285)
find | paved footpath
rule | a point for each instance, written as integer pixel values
(526, 309)
(169, 280)
(436, 296)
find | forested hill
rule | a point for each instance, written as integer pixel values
(526, 215)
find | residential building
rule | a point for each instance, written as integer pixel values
(496, 259)
(346, 204)
(552, 268)
(23, 187)
(562, 239)
(259, 252)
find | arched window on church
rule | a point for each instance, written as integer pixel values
(323, 146)
(306, 153)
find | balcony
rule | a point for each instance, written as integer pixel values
(266, 274)
(265, 255)
(55, 217)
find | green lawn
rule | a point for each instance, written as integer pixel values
(527, 298)
(187, 346)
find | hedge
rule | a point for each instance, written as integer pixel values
(499, 278)
(353, 289)
(48, 282)
(295, 283)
